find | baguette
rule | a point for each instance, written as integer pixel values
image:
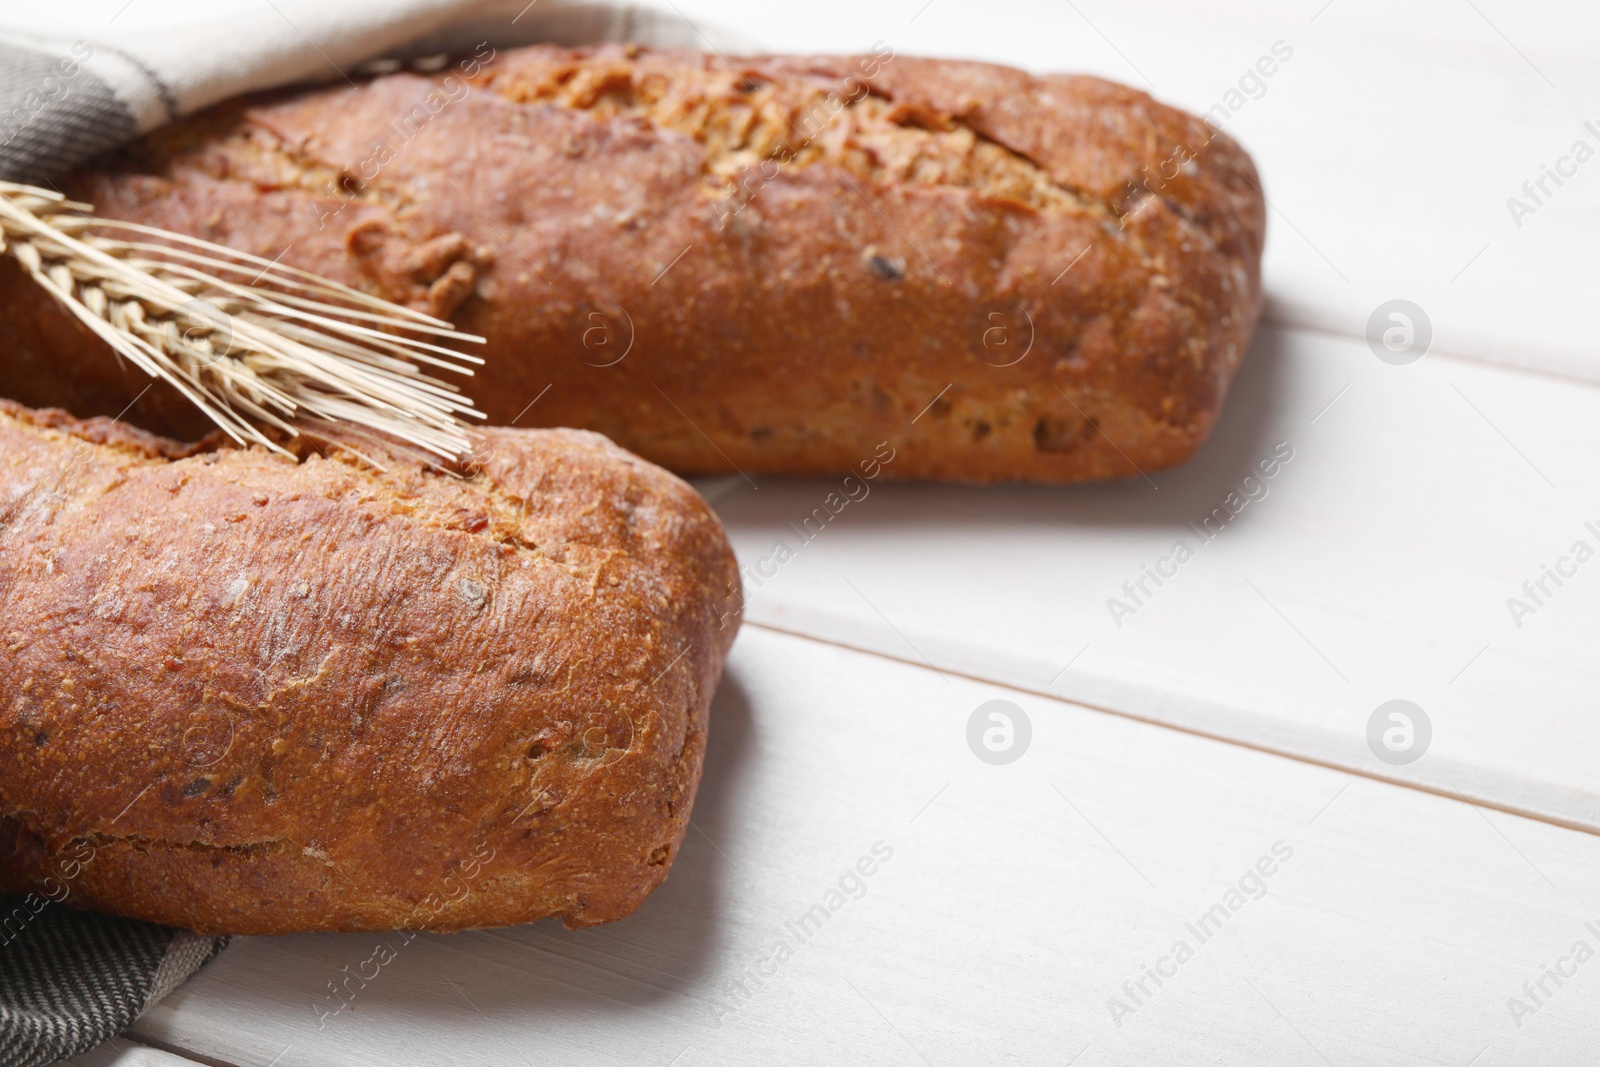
(767, 265)
(244, 694)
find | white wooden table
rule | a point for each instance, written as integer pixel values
(1033, 912)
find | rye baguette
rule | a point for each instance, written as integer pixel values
(770, 264)
(245, 694)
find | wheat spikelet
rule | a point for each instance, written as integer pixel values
(252, 343)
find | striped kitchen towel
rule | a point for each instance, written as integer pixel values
(69, 980)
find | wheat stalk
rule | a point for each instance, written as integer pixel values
(251, 342)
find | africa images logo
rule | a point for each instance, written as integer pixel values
(999, 732)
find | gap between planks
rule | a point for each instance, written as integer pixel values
(1283, 320)
(1472, 799)
(125, 1051)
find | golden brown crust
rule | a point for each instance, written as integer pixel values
(798, 254)
(263, 696)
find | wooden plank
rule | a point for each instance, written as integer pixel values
(1006, 906)
(1376, 564)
